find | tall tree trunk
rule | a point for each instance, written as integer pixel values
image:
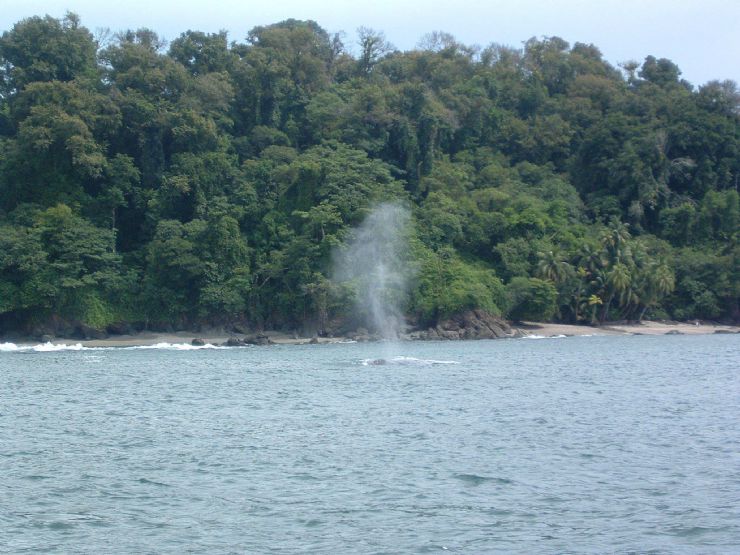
(642, 313)
(113, 227)
(605, 312)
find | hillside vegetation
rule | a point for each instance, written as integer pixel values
(208, 182)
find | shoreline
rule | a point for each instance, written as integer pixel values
(524, 329)
(646, 327)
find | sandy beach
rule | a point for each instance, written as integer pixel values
(643, 328)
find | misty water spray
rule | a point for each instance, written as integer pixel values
(374, 262)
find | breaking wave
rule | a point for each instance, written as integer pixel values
(41, 347)
(177, 346)
(53, 347)
(544, 336)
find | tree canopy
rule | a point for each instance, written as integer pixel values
(208, 181)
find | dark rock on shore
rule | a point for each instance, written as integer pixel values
(121, 328)
(87, 332)
(54, 327)
(257, 339)
(471, 324)
(198, 342)
(235, 342)
(361, 335)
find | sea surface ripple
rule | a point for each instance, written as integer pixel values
(578, 445)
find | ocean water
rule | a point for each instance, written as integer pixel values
(578, 445)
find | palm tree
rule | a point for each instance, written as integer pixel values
(577, 301)
(590, 258)
(615, 240)
(630, 301)
(552, 266)
(594, 301)
(618, 281)
(655, 281)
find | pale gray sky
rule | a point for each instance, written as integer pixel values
(701, 37)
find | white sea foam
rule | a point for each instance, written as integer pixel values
(54, 347)
(40, 348)
(544, 336)
(413, 360)
(51, 347)
(178, 346)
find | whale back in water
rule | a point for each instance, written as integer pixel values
(406, 361)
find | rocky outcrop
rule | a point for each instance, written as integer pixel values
(122, 328)
(234, 342)
(86, 332)
(361, 335)
(198, 342)
(57, 327)
(53, 326)
(471, 324)
(257, 339)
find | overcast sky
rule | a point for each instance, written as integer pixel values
(701, 37)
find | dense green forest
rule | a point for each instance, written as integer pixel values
(204, 182)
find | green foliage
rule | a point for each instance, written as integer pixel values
(447, 285)
(92, 311)
(46, 49)
(211, 181)
(530, 299)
